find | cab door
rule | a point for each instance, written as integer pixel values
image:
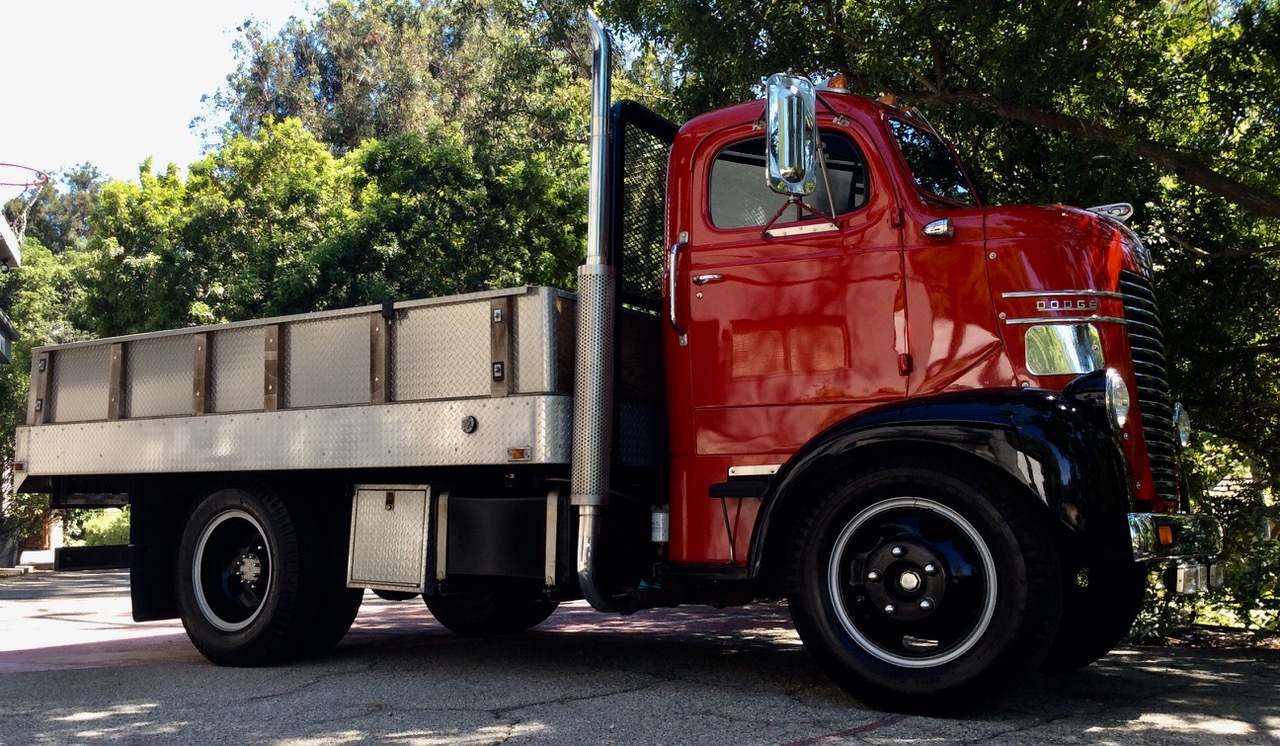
(785, 333)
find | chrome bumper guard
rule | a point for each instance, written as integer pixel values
(1193, 541)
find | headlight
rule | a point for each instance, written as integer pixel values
(1060, 349)
(1182, 424)
(1117, 399)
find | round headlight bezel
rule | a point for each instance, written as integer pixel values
(1117, 400)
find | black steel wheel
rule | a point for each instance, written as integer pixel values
(921, 588)
(482, 614)
(232, 570)
(239, 579)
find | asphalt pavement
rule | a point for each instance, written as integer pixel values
(74, 669)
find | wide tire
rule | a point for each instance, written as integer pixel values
(1098, 609)
(324, 537)
(240, 578)
(484, 614)
(920, 589)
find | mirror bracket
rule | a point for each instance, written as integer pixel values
(796, 201)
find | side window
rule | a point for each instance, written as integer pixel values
(741, 198)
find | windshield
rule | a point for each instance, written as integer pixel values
(932, 163)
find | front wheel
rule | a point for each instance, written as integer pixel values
(918, 588)
(1099, 606)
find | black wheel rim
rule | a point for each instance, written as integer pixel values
(232, 571)
(912, 582)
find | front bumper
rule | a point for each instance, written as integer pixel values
(1192, 542)
(1160, 536)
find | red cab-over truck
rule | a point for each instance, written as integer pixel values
(804, 360)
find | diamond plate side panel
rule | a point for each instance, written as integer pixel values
(325, 362)
(376, 436)
(389, 537)
(536, 343)
(80, 383)
(159, 373)
(441, 352)
(553, 429)
(235, 372)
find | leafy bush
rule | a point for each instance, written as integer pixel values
(106, 527)
(1228, 486)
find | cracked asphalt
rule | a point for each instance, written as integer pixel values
(76, 670)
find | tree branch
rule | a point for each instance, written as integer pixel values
(1186, 168)
(1174, 238)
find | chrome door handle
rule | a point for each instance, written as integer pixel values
(672, 255)
(704, 279)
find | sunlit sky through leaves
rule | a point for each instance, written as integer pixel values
(112, 83)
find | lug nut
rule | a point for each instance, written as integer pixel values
(874, 576)
(930, 569)
(926, 604)
(899, 552)
(890, 609)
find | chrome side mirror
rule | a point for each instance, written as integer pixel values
(792, 139)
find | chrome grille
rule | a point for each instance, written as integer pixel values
(1146, 345)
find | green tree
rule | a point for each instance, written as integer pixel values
(510, 73)
(59, 219)
(237, 239)
(1187, 87)
(430, 221)
(41, 297)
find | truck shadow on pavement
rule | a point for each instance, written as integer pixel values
(673, 676)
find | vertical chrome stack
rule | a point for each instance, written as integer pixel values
(593, 390)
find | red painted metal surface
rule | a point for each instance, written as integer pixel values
(788, 336)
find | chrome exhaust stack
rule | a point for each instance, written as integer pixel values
(593, 389)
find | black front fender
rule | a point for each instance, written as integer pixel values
(1057, 447)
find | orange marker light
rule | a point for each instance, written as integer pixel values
(1165, 534)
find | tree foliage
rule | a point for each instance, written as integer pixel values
(1188, 87)
(40, 297)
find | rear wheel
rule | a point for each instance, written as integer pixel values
(490, 612)
(259, 583)
(919, 588)
(238, 578)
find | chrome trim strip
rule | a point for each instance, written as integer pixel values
(761, 470)
(800, 229)
(1068, 320)
(1069, 293)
